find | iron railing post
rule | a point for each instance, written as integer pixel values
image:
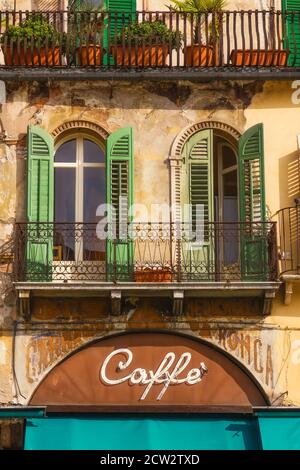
(178, 250)
(115, 260)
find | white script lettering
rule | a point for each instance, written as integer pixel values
(167, 373)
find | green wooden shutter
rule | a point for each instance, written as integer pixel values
(40, 193)
(122, 12)
(197, 190)
(252, 204)
(119, 151)
(291, 29)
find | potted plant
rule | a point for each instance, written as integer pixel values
(207, 15)
(153, 274)
(85, 30)
(33, 42)
(259, 57)
(145, 44)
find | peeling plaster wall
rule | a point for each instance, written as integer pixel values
(266, 352)
(269, 347)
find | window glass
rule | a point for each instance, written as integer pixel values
(230, 183)
(64, 214)
(92, 152)
(66, 153)
(94, 195)
(229, 158)
(94, 192)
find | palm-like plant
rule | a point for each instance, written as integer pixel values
(198, 8)
(88, 20)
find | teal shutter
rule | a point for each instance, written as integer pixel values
(291, 28)
(197, 192)
(119, 154)
(120, 13)
(252, 204)
(40, 192)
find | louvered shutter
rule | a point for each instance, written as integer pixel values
(39, 204)
(291, 28)
(252, 204)
(119, 151)
(120, 14)
(197, 192)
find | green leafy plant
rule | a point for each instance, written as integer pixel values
(150, 33)
(34, 30)
(199, 9)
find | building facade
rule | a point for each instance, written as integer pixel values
(114, 145)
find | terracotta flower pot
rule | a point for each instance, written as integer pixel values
(30, 58)
(200, 56)
(149, 56)
(153, 275)
(89, 55)
(259, 58)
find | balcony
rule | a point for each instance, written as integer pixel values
(89, 45)
(289, 248)
(168, 260)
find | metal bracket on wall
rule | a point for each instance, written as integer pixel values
(178, 298)
(289, 281)
(288, 292)
(24, 304)
(116, 297)
(268, 301)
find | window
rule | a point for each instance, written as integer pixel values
(222, 180)
(65, 186)
(80, 182)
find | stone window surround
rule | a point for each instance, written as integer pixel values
(78, 124)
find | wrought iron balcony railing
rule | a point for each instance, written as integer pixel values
(289, 240)
(66, 252)
(229, 40)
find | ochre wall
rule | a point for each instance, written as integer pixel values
(269, 347)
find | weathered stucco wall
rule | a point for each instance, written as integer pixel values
(269, 347)
(154, 4)
(231, 4)
(145, 107)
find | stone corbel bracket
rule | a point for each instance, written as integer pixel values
(116, 297)
(24, 304)
(178, 298)
(289, 281)
(268, 301)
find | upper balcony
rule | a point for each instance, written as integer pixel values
(149, 45)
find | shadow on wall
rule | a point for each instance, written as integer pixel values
(289, 181)
(21, 196)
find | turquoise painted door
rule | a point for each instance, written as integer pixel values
(133, 432)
